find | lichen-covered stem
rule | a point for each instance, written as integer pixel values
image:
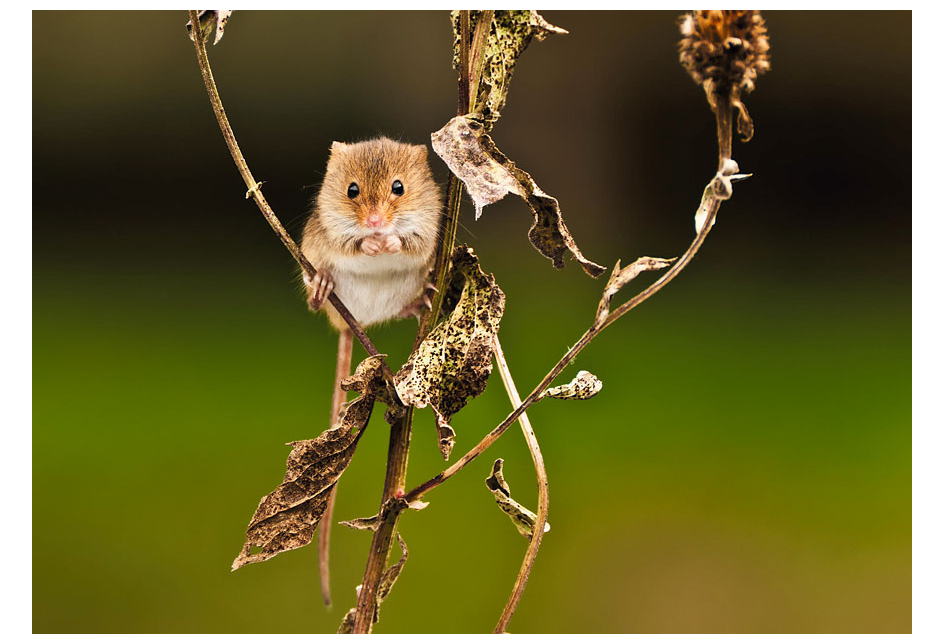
(542, 491)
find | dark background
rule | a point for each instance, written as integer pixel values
(746, 467)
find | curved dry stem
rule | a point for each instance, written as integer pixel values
(542, 490)
(254, 189)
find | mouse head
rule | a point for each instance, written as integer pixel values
(379, 186)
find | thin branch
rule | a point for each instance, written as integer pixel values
(476, 63)
(542, 489)
(254, 189)
(464, 61)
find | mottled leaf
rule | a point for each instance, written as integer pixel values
(286, 518)
(386, 582)
(488, 175)
(521, 517)
(510, 34)
(453, 363)
(212, 21)
(621, 276)
(582, 387)
(349, 620)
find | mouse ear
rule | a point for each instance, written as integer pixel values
(337, 146)
(421, 151)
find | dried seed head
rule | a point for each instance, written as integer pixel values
(724, 51)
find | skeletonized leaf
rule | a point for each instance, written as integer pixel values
(522, 518)
(621, 276)
(584, 386)
(286, 518)
(212, 21)
(453, 363)
(510, 34)
(386, 582)
(489, 175)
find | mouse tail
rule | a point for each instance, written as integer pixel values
(344, 356)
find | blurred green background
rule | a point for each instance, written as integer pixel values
(746, 467)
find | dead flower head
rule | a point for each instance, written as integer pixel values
(724, 51)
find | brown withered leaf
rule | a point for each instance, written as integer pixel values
(522, 518)
(621, 276)
(212, 21)
(386, 581)
(287, 517)
(584, 386)
(510, 34)
(489, 175)
(453, 363)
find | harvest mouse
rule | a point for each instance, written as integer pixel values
(371, 238)
(373, 231)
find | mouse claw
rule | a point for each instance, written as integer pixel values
(319, 289)
(416, 308)
(430, 286)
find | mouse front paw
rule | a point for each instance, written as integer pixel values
(392, 244)
(372, 246)
(377, 244)
(319, 289)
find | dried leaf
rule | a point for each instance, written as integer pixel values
(386, 582)
(721, 188)
(489, 175)
(211, 21)
(286, 518)
(390, 576)
(522, 518)
(621, 276)
(349, 621)
(453, 363)
(584, 386)
(703, 211)
(510, 34)
(372, 523)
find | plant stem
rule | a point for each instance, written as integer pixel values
(254, 189)
(381, 544)
(464, 61)
(542, 489)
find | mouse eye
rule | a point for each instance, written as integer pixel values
(397, 187)
(353, 190)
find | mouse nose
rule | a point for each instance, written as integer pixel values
(374, 220)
